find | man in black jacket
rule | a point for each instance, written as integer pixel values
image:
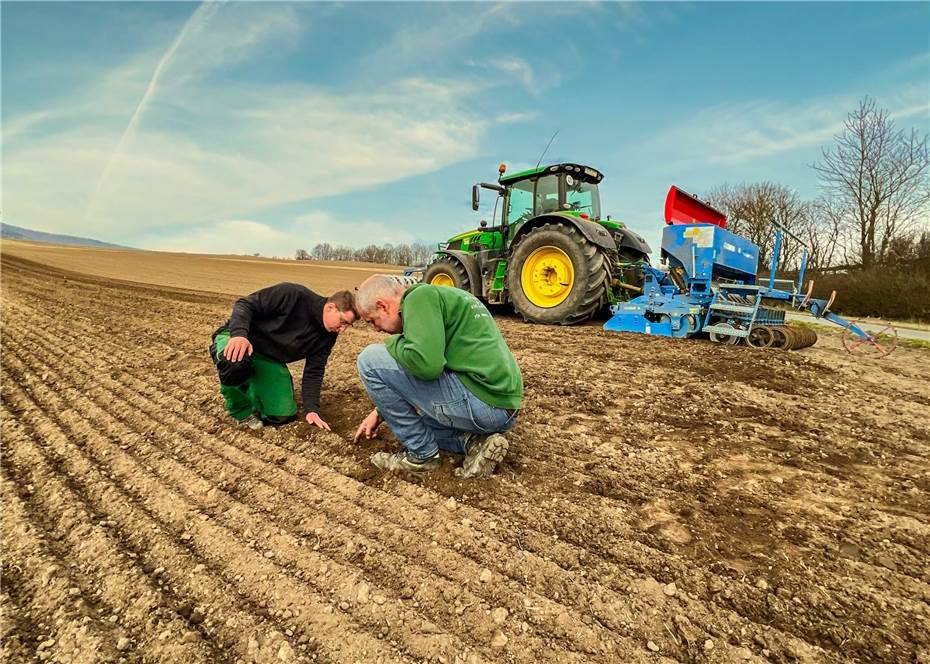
(268, 329)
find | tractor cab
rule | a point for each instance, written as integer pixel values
(559, 188)
(567, 188)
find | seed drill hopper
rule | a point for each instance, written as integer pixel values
(710, 285)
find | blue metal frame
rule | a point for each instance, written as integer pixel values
(711, 280)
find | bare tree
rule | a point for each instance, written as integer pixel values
(302, 255)
(879, 175)
(824, 233)
(753, 209)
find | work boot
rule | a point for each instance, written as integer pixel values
(482, 454)
(403, 461)
(251, 422)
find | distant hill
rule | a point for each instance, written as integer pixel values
(17, 233)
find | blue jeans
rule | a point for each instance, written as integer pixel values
(427, 415)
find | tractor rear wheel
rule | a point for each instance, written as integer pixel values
(557, 276)
(447, 272)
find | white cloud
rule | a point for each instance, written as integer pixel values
(208, 150)
(523, 72)
(241, 236)
(238, 236)
(734, 134)
(515, 118)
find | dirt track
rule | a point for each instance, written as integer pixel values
(664, 500)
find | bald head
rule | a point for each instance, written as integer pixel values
(378, 287)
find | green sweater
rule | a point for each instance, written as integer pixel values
(448, 328)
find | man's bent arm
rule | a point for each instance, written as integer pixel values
(312, 381)
(421, 349)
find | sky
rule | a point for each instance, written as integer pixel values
(266, 127)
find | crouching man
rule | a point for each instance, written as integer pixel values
(444, 379)
(268, 329)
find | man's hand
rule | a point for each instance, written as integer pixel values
(237, 348)
(369, 426)
(315, 420)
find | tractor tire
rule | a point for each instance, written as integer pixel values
(447, 272)
(556, 276)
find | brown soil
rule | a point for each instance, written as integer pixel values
(663, 500)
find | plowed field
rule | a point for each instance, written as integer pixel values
(663, 501)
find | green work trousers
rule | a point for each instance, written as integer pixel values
(269, 393)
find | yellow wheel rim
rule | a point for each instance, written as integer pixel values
(547, 277)
(442, 279)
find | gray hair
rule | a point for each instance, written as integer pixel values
(378, 287)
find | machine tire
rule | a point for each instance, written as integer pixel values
(760, 336)
(447, 271)
(557, 302)
(723, 337)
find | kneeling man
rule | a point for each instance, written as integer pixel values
(443, 380)
(268, 329)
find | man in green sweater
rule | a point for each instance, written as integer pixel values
(443, 380)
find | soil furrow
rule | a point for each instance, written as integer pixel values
(440, 558)
(609, 616)
(228, 568)
(784, 494)
(71, 615)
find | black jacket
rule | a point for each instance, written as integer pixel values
(285, 322)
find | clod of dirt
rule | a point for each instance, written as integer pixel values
(652, 646)
(709, 645)
(363, 593)
(285, 652)
(499, 640)
(122, 644)
(485, 576)
(670, 589)
(499, 615)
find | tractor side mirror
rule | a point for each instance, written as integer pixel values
(474, 198)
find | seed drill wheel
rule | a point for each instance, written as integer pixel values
(780, 337)
(556, 276)
(723, 337)
(447, 272)
(760, 336)
(878, 344)
(807, 337)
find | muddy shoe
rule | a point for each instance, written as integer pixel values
(400, 461)
(251, 422)
(483, 455)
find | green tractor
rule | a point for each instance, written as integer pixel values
(549, 252)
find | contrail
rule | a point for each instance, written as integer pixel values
(194, 24)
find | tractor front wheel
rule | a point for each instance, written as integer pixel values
(447, 272)
(557, 276)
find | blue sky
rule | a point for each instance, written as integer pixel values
(268, 127)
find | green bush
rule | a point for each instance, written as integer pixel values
(898, 292)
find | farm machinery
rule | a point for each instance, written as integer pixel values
(710, 285)
(549, 252)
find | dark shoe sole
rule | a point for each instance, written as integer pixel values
(491, 451)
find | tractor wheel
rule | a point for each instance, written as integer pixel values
(556, 276)
(447, 272)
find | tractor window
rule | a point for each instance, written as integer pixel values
(547, 194)
(521, 202)
(583, 197)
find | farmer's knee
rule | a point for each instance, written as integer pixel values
(373, 358)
